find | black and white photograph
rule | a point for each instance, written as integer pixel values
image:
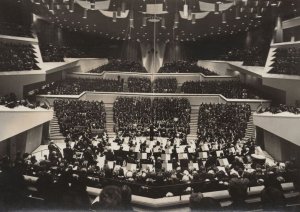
(150, 105)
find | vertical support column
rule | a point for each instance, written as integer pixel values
(279, 31)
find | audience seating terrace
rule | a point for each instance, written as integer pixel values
(165, 85)
(139, 84)
(79, 117)
(287, 61)
(14, 29)
(57, 53)
(171, 116)
(168, 116)
(213, 123)
(253, 56)
(185, 67)
(11, 101)
(132, 115)
(230, 89)
(75, 86)
(17, 57)
(121, 65)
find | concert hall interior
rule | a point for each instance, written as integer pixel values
(145, 105)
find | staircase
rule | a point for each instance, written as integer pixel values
(38, 55)
(270, 58)
(55, 133)
(193, 123)
(250, 131)
(110, 120)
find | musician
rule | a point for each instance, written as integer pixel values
(89, 156)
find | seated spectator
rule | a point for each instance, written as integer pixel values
(12, 186)
(185, 67)
(126, 198)
(75, 86)
(139, 84)
(165, 85)
(286, 61)
(238, 193)
(229, 89)
(17, 57)
(120, 65)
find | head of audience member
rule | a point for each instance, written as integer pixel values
(111, 198)
(238, 191)
(195, 200)
(272, 198)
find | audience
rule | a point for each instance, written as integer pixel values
(62, 185)
(55, 53)
(120, 65)
(171, 115)
(139, 84)
(133, 116)
(14, 29)
(287, 61)
(230, 89)
(11, 101)
(185, 67)
(253, 56)
(75, 86)
(165, 85)
(86, 169)
(17, 57)
(213, 123)
(160, 85)
(279, 109)
(78, 117)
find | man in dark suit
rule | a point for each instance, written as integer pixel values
(68, 153)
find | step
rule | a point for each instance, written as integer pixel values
(56, 138)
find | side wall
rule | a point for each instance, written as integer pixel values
(279, 148)
(23, 142)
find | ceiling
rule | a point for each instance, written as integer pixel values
(242, 15)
